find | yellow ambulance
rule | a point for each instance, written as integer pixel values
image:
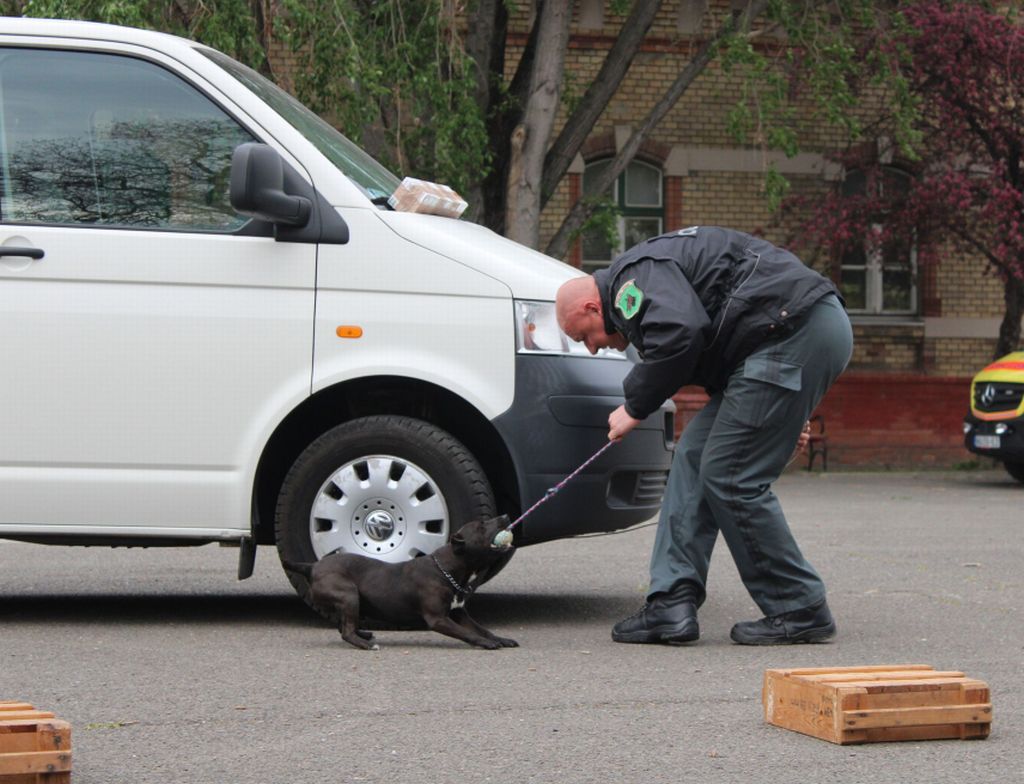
(995, 425)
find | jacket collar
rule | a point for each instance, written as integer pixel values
(603, 279)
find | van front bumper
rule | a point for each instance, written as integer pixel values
(982, 438)
(558, 420)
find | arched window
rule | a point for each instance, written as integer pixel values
(879, 276)
(637, 197)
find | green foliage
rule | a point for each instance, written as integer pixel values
(620, 7)
(966, 465)
(776, 187)
(394, 75)
(889, 67)
(227, 25)
(603, 220)
(123, 12)
(817, 61)
(763, 114)
(572, 93)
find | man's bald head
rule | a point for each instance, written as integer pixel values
(581, 315)
(574, 296)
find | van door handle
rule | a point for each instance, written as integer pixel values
(32, 253)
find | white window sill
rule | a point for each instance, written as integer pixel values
(885, 320)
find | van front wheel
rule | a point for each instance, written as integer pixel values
(387, 487)
(1016, 470)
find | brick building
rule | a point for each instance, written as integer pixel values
(920, 333)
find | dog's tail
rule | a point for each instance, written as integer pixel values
(305, 569)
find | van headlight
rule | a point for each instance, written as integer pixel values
(537, 332)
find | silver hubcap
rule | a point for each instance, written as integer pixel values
(381, 506)
(379, 525)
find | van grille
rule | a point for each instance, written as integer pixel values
(650, 487)
(636, 489)
(992, 396)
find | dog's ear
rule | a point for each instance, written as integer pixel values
(458, 541)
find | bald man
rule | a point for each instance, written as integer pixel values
(766, 336)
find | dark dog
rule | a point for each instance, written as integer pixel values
(432, 588)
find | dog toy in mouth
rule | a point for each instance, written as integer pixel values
(502, 539)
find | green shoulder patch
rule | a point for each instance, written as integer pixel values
(628, 299)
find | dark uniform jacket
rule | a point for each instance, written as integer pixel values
(696, 303)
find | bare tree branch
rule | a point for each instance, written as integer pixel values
(559, 245)
(579, 125)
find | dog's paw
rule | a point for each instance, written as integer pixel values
(507, 642)
(489, 645)
(357, 641)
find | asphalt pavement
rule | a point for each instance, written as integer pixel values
(170, 670)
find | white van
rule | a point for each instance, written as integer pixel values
(215, 329)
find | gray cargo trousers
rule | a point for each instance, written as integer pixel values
(731, 453)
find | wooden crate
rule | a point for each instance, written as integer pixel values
(35, 746)
(877, 703)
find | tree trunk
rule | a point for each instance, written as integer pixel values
(522, 212)
(503, 109)
(481, 45)
(485, 45)
(1009, 329)
(616, 63)
(559, 245)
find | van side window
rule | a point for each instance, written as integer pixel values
(99, 139)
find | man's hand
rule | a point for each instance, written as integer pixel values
(620, 423)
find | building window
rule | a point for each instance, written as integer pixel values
(637, 199)
(690, 17)
(879, 275)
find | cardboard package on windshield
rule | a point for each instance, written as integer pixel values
(414, 195)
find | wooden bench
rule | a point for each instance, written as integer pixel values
(818, 444)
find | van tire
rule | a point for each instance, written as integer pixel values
(412, 484)
(1016, 470)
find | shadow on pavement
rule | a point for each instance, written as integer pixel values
(282, 609)
(556, 609)
(121, 609)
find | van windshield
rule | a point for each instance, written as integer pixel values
(358, 166)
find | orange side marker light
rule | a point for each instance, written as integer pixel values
(349, 331)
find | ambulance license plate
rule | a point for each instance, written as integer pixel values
(986, 442)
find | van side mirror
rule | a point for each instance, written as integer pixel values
(257, 187)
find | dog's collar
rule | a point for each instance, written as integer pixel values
(462, 591)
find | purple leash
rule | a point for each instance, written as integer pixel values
(552, 490)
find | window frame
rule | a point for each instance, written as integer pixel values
(625, 211)
(873, 266)
(249, 226)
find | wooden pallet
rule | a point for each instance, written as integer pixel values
(877, 703)
(35, 746)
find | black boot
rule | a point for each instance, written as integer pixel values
(667, 617)
(811, 624)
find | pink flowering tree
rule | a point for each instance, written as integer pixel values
(965, 66)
